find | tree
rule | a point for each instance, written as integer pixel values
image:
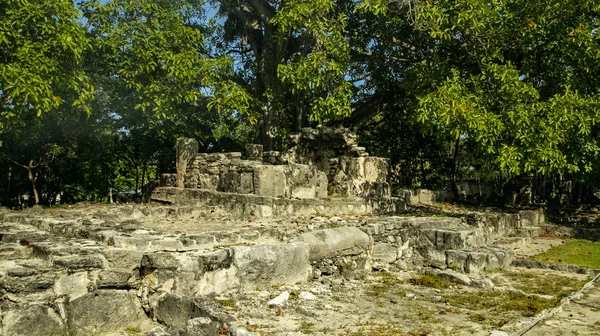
(41, 47)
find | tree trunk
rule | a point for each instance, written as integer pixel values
(7, 200)
(32, 178)
(454, 173)
(110, 198)
(137, 178)
(144, 173)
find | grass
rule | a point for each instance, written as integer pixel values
(578, 252)
(556, 285)
(306, 327)
(383, 283)
(502, 302)
(226, 302)
(133, 331)
(430, 280)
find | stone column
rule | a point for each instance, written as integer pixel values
(186, 149)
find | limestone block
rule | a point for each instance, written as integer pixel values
(476, 262)
(237, 182)
(176, 310)
(185, 149)
(103, 311)
(123, 258)
(384, 253)
(331, 243)
(201, 326)
(456, 259)
(114, 278)
(217, 282)
(36, 320)
(321, 185)
(268, 264)
(269, 181)
(78, 262)
(73, 286)
(455, 277)
(300, 181)
(27, 282)
(435, 258)
(165, 244)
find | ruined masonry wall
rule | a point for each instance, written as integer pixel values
(227, 172)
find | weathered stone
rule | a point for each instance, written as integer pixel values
(103, 310)
(279, 300)
(385, 253)
(269, 181)
(33, 283)
(336, 242)
(218, 281)
(161, 260)
(73, 286)
(113, 278)
(476, 262)
(123, 258)
(175, 310)
(36, 320)
(185, 149)
(482, 283)
(201, 326)
(455, 277)
(265, 265)
(76, 262)
(158, 331)
(456, 260)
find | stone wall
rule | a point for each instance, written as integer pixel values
(227, 172)
(349, 168)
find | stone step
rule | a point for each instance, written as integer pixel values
(474, 261)
(512, 243)
(528, 232)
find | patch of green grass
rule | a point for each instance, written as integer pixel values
(578, 252)
(556, 285)
(133, 331)
(384, 282)
(430, 280)
(306, 327)
(501, 302)
(226, 302)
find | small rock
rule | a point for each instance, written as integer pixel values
(410, 295)
(158, 331)
(498, 333)
(437, 298)
(279, 300)
(482, 283)
(307, 296)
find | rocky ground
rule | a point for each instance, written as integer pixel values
(402, 303)
(67, 260)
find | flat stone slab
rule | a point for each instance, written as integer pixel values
(331, 243)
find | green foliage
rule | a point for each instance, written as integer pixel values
(42, 45)
(94, 94)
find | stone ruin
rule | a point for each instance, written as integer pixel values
(321, 162)
(231, 225)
